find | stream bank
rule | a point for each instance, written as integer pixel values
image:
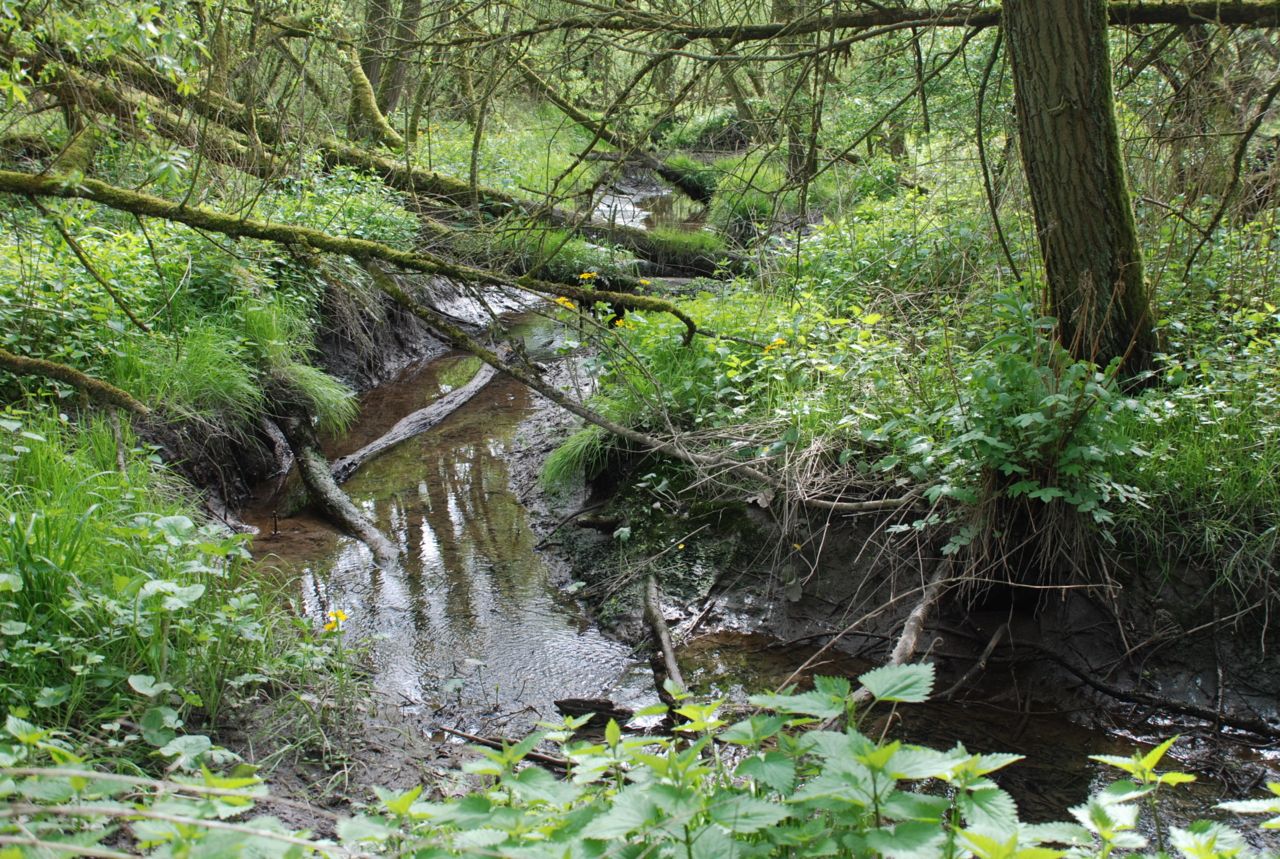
(480, 628)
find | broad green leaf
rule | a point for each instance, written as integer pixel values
(1151, 758)
(362, 828)
(744, 814)
(773, 769)
(478, 839)
(631, 810)
(398, 803)
(816, 704)
(23, 731)
(145, 684)
(907, 841)
(989, 810)
(186, 749)
(534, 784)
(712, 842)
(908, 684)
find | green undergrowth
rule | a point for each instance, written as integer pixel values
(527, 150)
(182, 321)
(123, 618)
(886, 350)
(548, 254)
(802, 775)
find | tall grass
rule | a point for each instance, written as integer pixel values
(109, 590)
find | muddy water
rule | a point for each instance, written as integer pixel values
(470, 629)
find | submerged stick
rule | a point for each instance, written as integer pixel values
(337, 507)
(661, 633)
(413, 424)
(909, 641)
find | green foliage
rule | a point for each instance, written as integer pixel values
(115, 605)
(1028, 422)
(796, 778)
(705, 176)
(527, 150)
(549, 254)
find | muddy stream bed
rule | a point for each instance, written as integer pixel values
(475, 629)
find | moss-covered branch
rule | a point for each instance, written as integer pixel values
(361, 250)
(97, 390)
(364, 103)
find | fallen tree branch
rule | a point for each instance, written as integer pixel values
(909, 641)
(661, 638)
(978, 666)
(96, 389)
(413, 424)
(1239, 13)
(1253, 724)
(504, 743)
(325, 492)
(362, 250)
(370, 252)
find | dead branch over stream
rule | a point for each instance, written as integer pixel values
(413, 424)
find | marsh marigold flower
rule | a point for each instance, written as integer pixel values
(335, 620)
(777, 343)
(566, 303)
(588, 275)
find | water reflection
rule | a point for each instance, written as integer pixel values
(471, 624)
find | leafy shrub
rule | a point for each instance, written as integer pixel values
(113, 600)
(797, 778)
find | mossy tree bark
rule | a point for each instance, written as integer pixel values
(1075, 172)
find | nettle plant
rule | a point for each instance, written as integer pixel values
(1027, 421)
(797, 778)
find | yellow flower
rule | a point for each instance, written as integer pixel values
(336, 618)
(796, 546)
(588, 275)
(777, 342)
(644, 282)
(331, 626)
(681, 546)
(566, 303)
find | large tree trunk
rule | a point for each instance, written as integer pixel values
(1071, 151)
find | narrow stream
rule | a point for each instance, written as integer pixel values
(470, 629)
(473, 631)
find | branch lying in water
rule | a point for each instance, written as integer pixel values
(413, 424)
